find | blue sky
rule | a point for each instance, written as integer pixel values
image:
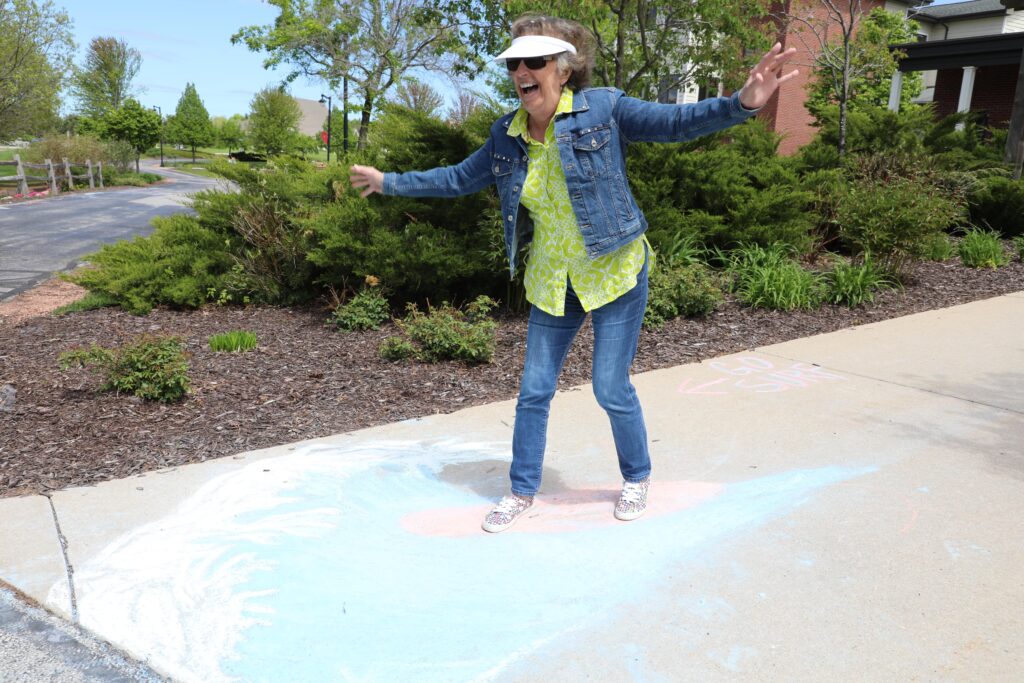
(189, 41)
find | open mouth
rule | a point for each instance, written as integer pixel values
(526, 89)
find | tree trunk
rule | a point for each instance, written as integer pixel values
(193, 154)
(364, 122)
(137, 163)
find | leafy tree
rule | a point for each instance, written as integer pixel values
(230, 133)
(104, 81)
(274, 122)
(643, 47)
(371, 43)
(191, 122)
(419, 96)
(847, 57)
(35, 55)
(136, 125)
(872, 65)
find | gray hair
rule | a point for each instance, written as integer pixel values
(578, 65)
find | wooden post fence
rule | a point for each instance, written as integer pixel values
(93, 173)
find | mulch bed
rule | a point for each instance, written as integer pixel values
(306, 380)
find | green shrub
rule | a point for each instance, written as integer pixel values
(396, 348)
(153, 368)
(854, 284)
(893, 220)
(367, 310)
(121, 155)
(1018, 246)
(235, 340)
(937, 247)
(997, 202)
(76, 148)
(177, 265)
(679, 288)
(448, 333)
(270, 253)
(722, 190)
(90, 301)
(982, 249)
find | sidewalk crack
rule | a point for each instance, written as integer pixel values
(68, 568)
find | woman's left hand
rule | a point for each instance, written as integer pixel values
(765, 78)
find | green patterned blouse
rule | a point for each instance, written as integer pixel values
(557, 250)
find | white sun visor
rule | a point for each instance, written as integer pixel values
(535, 46)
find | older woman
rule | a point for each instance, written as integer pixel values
(559, 166)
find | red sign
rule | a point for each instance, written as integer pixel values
(323, 136)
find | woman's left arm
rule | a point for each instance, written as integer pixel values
(641, 121)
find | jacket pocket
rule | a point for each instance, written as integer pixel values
(592, 151)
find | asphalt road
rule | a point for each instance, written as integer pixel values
(37, 646)
(45, 236)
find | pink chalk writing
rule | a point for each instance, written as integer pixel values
(758, 375)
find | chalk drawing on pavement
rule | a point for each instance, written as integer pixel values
(757, 375)
(353, 563)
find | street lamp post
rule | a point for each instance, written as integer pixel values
(344, 109)
(328, 98)
(159, 111)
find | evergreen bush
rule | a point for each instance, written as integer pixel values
(893, 220)
(723, 190)
(177, 265)
(997, 202)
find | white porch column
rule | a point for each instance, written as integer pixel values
(894, 91)
(966, 91)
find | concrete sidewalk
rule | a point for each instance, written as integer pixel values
(847, 506)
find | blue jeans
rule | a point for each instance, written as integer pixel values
(548, 338)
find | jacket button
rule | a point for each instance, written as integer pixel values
(510, 218)
(526, 158)
(515, 189)
(496, 169)
(593, 143)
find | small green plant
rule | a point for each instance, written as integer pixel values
(1018, 246)
(448, 333)
(90, 301)
(853, 285)
(982, 249)
(236, 340)
(153, 368)
(783, 287)
(396, 348)
(680, 288)
(367, 310)
(766, 277)
(938, 247)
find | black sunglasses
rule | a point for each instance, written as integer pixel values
(532, 63)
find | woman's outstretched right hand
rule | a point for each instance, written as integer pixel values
(368, 177)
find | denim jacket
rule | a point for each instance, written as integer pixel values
(592, 141)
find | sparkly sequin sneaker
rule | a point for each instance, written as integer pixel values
(633, 500)
(506, 512)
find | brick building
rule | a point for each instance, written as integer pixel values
(991, 85)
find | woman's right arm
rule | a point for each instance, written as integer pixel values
(467, 177)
